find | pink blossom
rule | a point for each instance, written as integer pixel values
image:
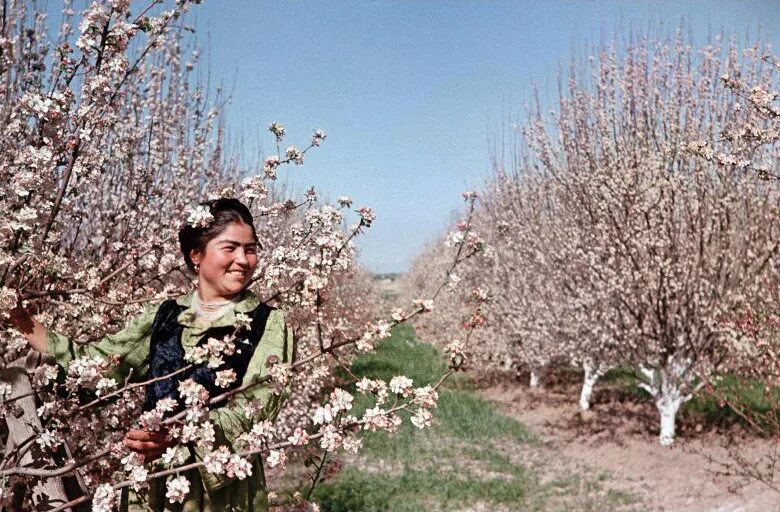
(367, 215)
(8, 298)
(294, 154)
(377, 387)
(299, 437)
(87, 371)
(382, 329)
(104, 385)
(192, 392)
(104, 498)
(426, 397)
(376, 419)
(225, 378)
(425, 304)
(401, 385)
(318, 137)
(278, 131)
(331, 438)
(166, 404)
(173, 455)
(253, 189)
(177, 489)
(45, 374)
(323, 414)
(199, 217)
(365, 342)
(340, 400)
(217, 460)
(269, 166)
(421, 418)
(398, 314)
(262, 432)
(352, 444)
(238, 467)
(152, 420)
(276, 458)
(280, 374)
(49, 439)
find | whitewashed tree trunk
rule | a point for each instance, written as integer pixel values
(534, 381)
(506, 363)
(592, 373)
(668, 405)
(666, 385)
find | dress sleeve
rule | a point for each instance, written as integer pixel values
(230, 421)
(131, 344)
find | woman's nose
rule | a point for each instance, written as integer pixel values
(241, 257)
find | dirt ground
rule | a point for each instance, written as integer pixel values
(617, 442)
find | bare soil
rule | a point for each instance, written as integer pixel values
(616, 441)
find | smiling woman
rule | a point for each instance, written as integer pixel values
(223, 253)
(216, 338)
(228, 262)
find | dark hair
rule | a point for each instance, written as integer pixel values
(224, 211)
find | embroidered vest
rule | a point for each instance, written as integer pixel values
(166, 354)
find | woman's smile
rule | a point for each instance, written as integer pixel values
(238, 274)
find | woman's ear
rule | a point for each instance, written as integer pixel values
(195, 256)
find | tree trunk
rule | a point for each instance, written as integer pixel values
(534, 381)
(507, 363)
(666, 386)
(23, 422)
(592, 374)
(668, 405)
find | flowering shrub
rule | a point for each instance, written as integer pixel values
(108, 145)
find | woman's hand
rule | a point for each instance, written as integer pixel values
(31, 328)
(149, 444)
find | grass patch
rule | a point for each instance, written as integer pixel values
(402, 354)
(463, 459)
(748, 394)
(414, 490)
(705, 407)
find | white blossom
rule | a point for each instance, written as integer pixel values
(177, 489)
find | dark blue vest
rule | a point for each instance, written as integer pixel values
(166, 354)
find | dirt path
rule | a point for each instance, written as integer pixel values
(618, 440)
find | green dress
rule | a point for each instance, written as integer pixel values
(208, 492)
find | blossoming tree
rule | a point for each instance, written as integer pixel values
(642, 220)
(108, 141)
(677, 243)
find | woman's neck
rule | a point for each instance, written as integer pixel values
(209, 311)
(206, 296)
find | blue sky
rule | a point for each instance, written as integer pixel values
(410, 92)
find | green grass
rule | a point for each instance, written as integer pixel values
(706, 408)
(748, 394)
(472, 453)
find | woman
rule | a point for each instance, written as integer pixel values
(219, 245)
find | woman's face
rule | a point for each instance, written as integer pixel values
(227, 263)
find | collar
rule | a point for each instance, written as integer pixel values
(248, 302)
